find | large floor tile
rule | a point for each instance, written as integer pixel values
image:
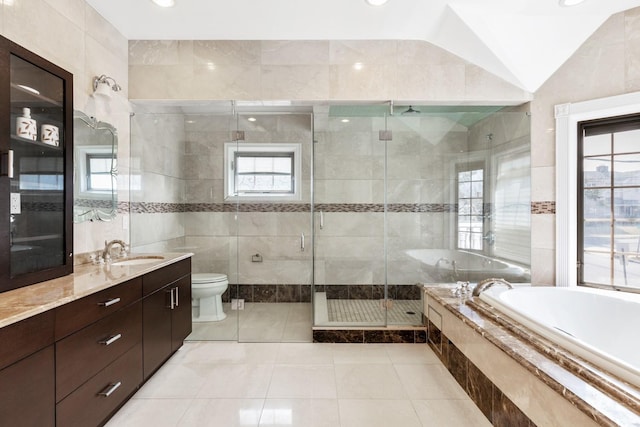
(450, 413)
(300, 413)
(150, 413)
(429, 382)
(294, 381)
(237, 381)
(412, 353)
(305, 354)
(368, 381)
(176, 380)
(223, 412)
(226, 353)
(378, 413)
(360, 353)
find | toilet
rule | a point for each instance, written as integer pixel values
(206, 296)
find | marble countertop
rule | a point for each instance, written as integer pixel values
(602, 396)
(21, 303)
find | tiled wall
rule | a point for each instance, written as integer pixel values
(72, 35)
(606, 64)
(309, 70)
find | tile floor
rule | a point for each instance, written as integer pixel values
(258, 322)
(301, 384)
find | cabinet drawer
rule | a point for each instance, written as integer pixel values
(25, 337)
(98, 398)
(86, 352)
(157, 279)
(78, 314)
(27, 391)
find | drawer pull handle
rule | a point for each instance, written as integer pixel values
(111, 340)
(110, 389)
(110, 302)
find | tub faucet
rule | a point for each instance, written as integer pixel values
(106, 254)
(487, 283)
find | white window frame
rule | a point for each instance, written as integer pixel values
(567, 118)
(231, 148)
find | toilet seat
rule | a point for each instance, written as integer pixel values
(202, 278)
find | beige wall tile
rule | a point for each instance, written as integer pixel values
(543, 181)
(73, 10)
(295, 82)
(373, 81)
(545, 231)
(287, 52)
(369, 52)
(436, 82)
(227, 52)
(543, 265)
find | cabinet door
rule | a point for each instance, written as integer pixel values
(36, 181)
(181, 315)
(27, 391)
(156, 332)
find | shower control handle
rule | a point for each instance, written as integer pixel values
(301, 242)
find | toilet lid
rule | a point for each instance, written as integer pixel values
(208, 278)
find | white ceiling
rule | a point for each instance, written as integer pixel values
(522, 41)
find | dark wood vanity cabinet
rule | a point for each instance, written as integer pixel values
(166, 312)
(36, 170)
(98, 354)
(77, 364)
(27, 374)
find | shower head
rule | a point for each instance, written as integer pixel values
(410, 110)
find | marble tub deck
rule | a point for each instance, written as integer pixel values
(606, 399)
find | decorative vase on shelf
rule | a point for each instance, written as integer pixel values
(26, 126)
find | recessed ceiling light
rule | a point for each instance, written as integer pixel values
(345, 120)
(376, 2)
(164, 3)
(358, 66)
(568, 3)
(252, 119)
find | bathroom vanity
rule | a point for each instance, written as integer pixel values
(74, 349)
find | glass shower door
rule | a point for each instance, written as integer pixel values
(349, 264)
(271, 163)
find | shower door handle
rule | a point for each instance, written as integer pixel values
(301, 242)
(321, 220)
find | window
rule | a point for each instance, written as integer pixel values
(99, 172)
(512, 206)
(262, 171)
(609, 202)
(471, 208)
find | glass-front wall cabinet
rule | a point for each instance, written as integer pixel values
(36, 182)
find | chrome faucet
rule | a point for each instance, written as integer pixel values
(106, 254)
(487, 283)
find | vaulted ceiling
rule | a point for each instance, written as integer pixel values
(522, 41)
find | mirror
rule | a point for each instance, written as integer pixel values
(95, 169)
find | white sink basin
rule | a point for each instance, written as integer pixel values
(139, 260)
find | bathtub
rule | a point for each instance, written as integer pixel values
(597, 325)
(446, 265)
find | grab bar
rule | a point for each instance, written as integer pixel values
(301, 242)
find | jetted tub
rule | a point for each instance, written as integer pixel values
(597, 325)
(446, 265)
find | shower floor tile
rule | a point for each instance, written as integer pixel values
(367, 311)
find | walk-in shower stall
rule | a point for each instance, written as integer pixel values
(326, 216)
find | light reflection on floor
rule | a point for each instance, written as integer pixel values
(231, 384)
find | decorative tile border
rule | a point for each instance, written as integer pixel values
(538, 208)
(548, 207)
(370, 336)
(302, 292)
